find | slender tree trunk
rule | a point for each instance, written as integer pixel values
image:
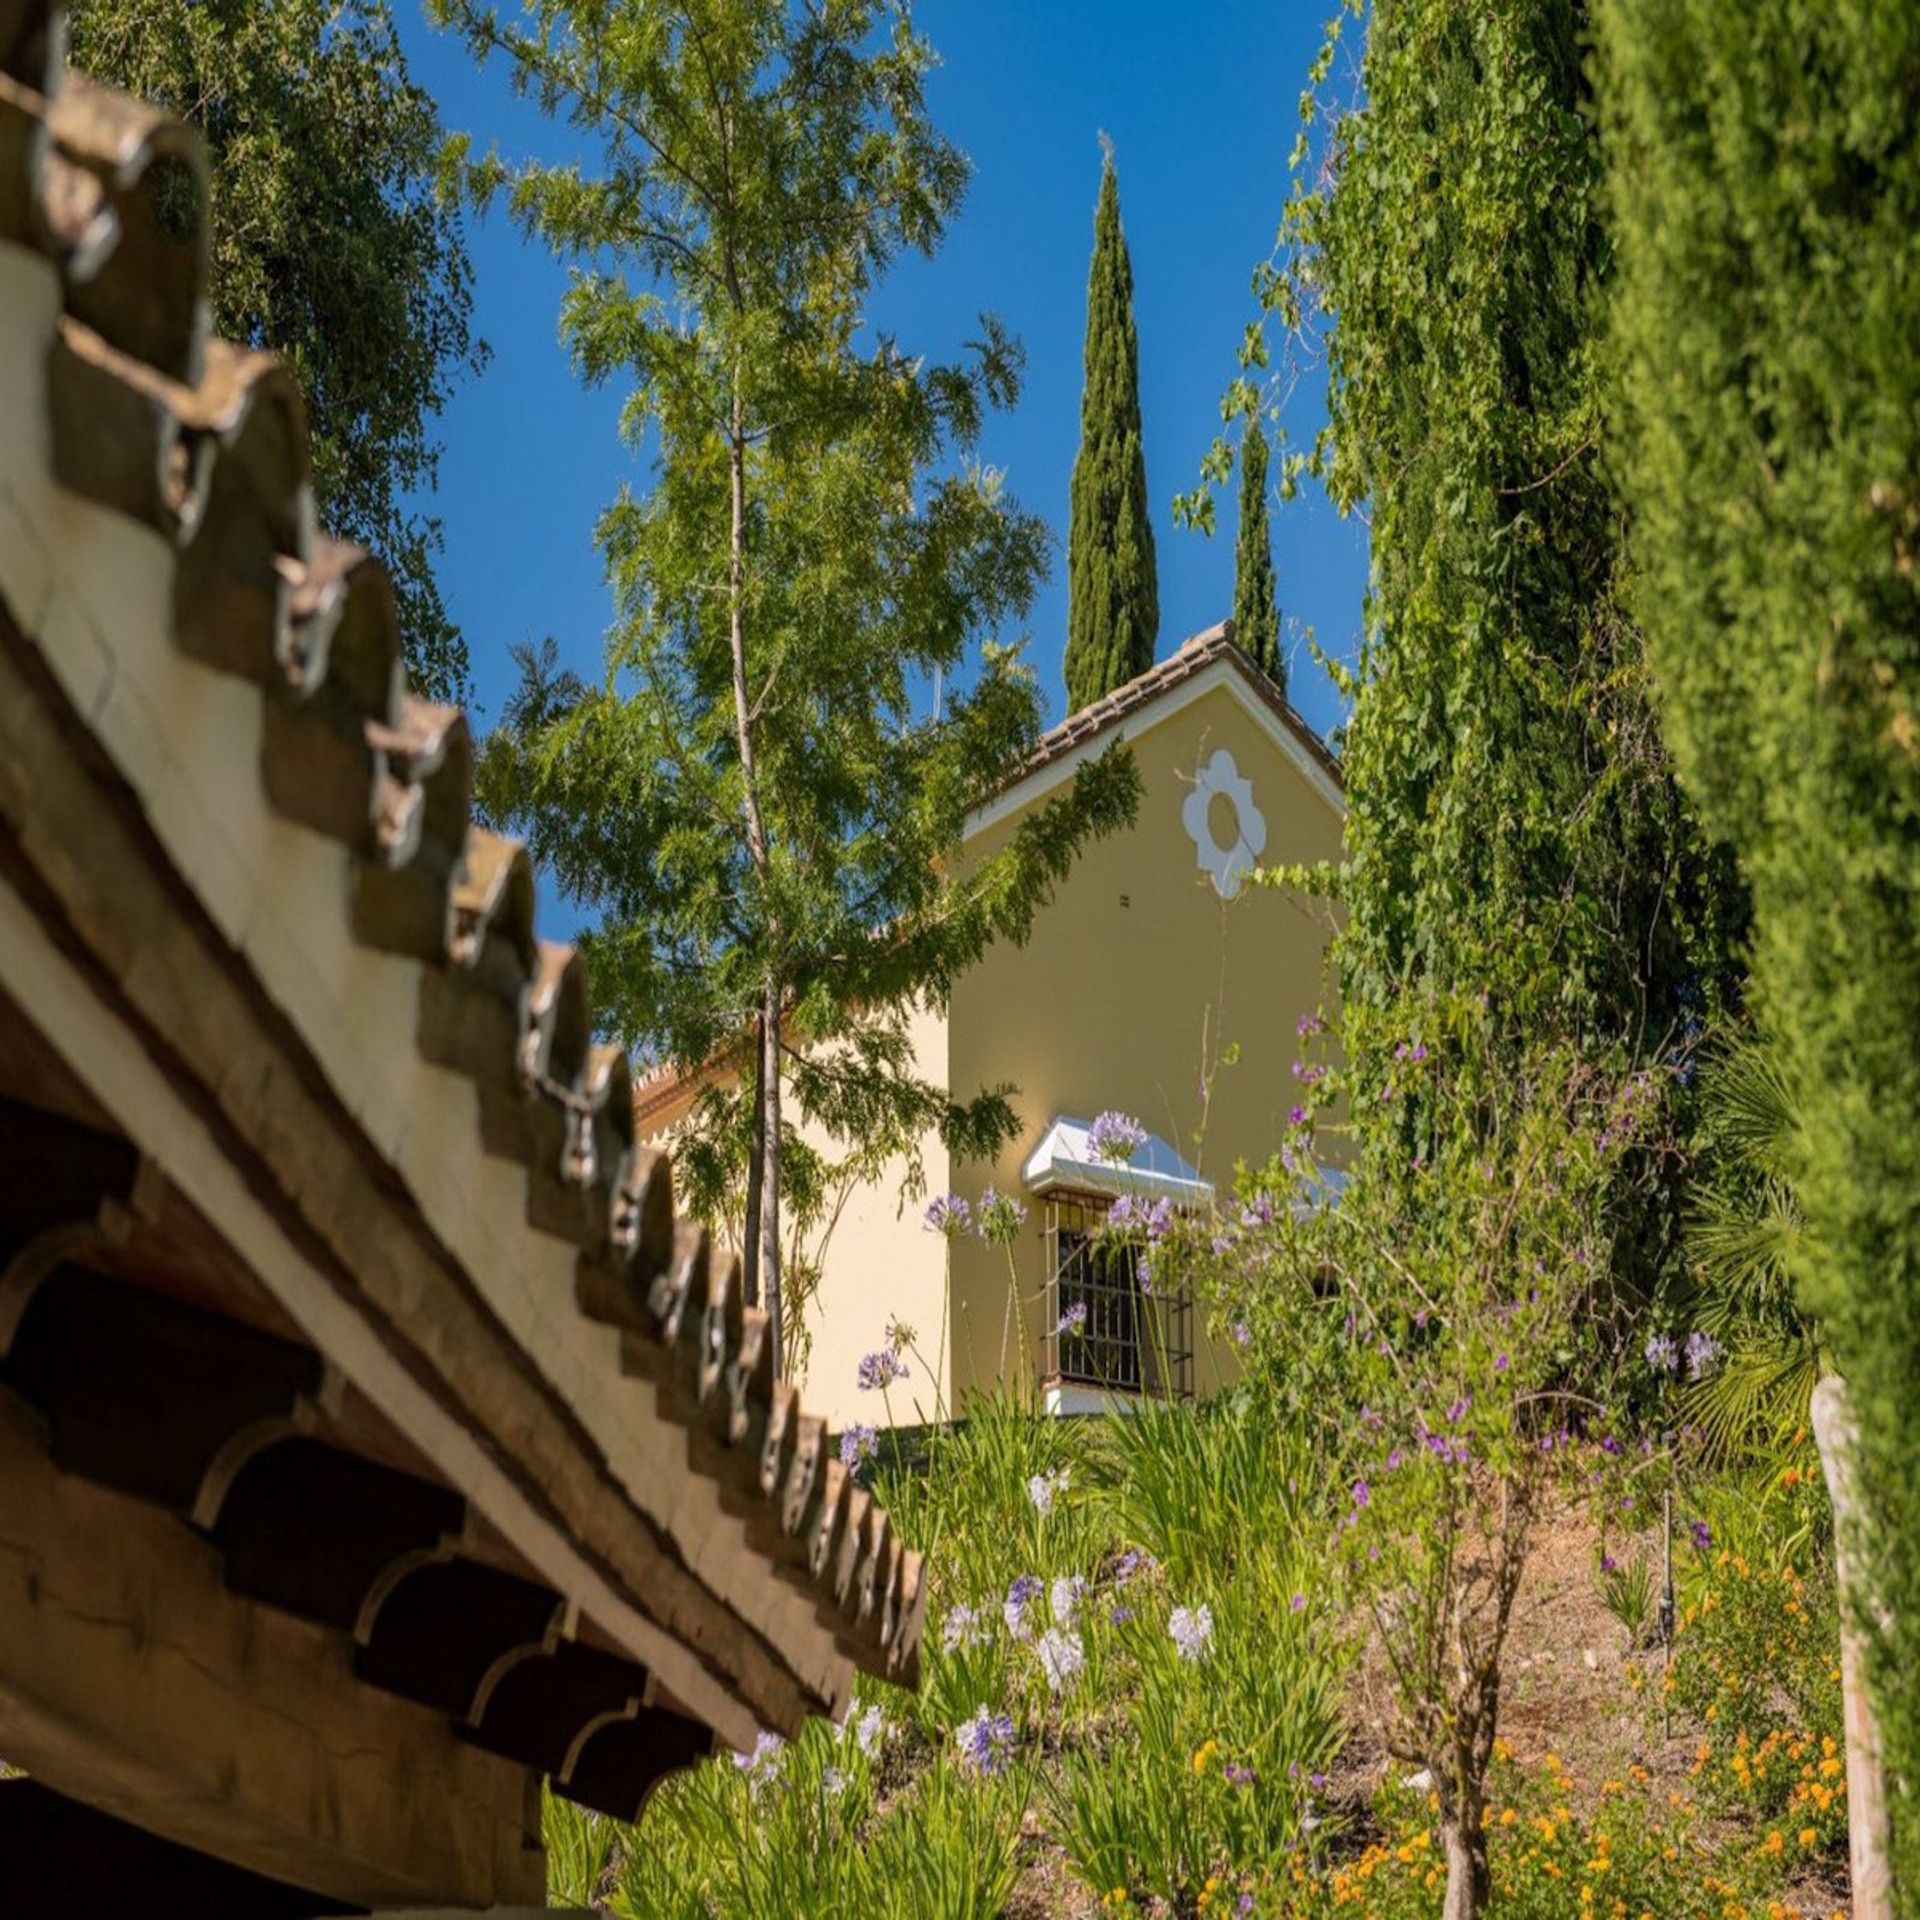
(764, 1231)
(1463, 1835)
(770, 1022)
(756, 1148)
(1835, 1430)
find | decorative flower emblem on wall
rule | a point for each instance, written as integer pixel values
(1225, 866)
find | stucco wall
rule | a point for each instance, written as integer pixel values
(1137, 987)
(882, 1264)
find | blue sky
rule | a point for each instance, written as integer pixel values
(1200, 104)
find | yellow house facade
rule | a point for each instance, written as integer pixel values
(1155, 984)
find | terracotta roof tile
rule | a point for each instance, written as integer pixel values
(1192, 656)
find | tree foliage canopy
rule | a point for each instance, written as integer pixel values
(1766, 168)
(1514, 826)
(1113, 590)
(331, 245)
(763, 801)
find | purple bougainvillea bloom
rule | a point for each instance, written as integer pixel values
(1061, 1656)
(857, 1446)
(984, 1741)
(880, 1370)
(948, 1215)
(1192, 1631)
(1115, 1137)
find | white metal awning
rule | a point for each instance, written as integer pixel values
(1065, 1158)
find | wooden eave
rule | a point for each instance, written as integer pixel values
(250, 929)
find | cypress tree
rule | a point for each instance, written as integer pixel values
(1256, 612)
(1113, 594)
(1766, 177)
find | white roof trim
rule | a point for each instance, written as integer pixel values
(1065, 1158)
(1143, 719)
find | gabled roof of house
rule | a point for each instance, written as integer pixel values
(1207, 659)
(347, 980)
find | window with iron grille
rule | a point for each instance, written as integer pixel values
(1104, 1327)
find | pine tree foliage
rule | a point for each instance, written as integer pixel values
(1113, 592)
(1256, 609)
(758, 805)
(1766, 167)
(331, 245)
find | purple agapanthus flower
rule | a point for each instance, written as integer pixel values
(961, 1628)
(1000, 1217)
(1115, 1137)
(1133, 1561)
(879, 1371)
(1044, 1488)
(1191, 1629)
(1702, 1355)
(984, 1741)
(1072, 1318)
(1064, 1597)
(1020, 1596)
(1662, 1355)
(948, 1215)
(857, 1446)
(763, 1762)
(1061, 1656)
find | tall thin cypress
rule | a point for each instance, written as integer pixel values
(1256, 610)
(1113, 593)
